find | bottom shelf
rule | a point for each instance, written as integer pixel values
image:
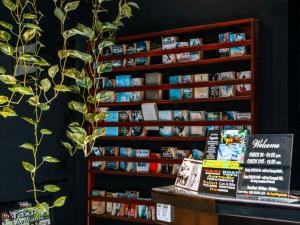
(122, 218)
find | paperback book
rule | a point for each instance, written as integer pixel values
(143, 212)
(98, 207)
(224, 38)
(112, 116)
(181, 115)
(123, 96)
(123, 80)
(185, 56)
(194, 56)
(137, 116)
(175, 94)
(141, 166)
(167, 153)
(130, 210)
(169, 43)
(243, 89)
(124, 116)
(239, 50)
(153, 79)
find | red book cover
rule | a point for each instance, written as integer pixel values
(155, 167)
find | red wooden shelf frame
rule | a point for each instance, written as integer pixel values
(182, 64)
(181, 101)
(122, 200)
(176, 123)
(122, 218)
(205, 47)
(134, 159)
(125, 173)
(186, 85)
(249, 26)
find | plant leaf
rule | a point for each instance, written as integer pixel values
(28, 146)
(133, 4)
(60, 14)
(78, 106)
(62, 88)
(8, 112)
(75, 89)
(72, 32)
(60, 201)
(46, 84)
(29, 120)
(105, 44)
(50, 159)
(46, 132)
(85, 57)
(29, 34)
(2, 70)
(67, 145)
(34, 100)
(88, 32)
(33, 26)
(104, 68)
(85, 82)
(44, 106)
(8, 79)
(3, 99)
(6, 25)
(71, 6)
(21, 89)
(9, 4)
(52, 71)
(28, 166)
(6, 49)
(41, 209)
(72, 73)
(28, 16)
(4, 36)
(51, 188)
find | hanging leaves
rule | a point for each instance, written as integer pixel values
(3, 99)
(29, 34)
(6, 25)
(50, 159)
(4, 36)
(46, 132)
(27, 146)
(28, 166)
(60, 201)
(53, 70)
(85, 57)
(10, 5)
(71, 6)
(8, 79)
(51, 188)
(78, 106)
(8, 112)
(23, 90)
(6, 49)
(60, 14)
(45, 84)
(61, 88)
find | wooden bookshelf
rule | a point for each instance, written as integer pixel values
(210, 47)
(122, 218)
(122, 200)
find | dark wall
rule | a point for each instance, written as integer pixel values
(154, 15)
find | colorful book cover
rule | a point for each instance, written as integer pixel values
(169, 43)
(130, 62)
(111, 151)
(175, 94)
(98, 193)
(109, 205)
(131, 166)
(181, 154)
(185, 56)
(137, 116)
(130, 48)
(214, 92)
(108, 83)
(98, 151)
(239, 50)
(123, 96)
(224, 38)
(144, 61)
(112, 166)
(167, 153)
(243, 89)
(229, 115)
(143, 212)
(98, 207)
(141, 166)
(211, 116)
(124, 116)
(194, 56)
(197, 154)
(118, 49)
(112, 116)
(155, 167)
(124, 152)
(227, 91)
(118, 63)
(117, 209)
(230, 75)
(143, 46)
(98, 165)
(201, 92)
(181, 115)
(123, 80)
(130, 210)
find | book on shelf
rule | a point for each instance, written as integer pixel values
(185, 56)
(166, 115)
(118, 49)
(201, 92)
(117, 209)
(130, 210)
(181, 115)
(214, 76)
(181, 154)
(150, 113)
(229, 115)
(142, 46)
(169, 43)
(137, 116)
(243, 116)
(143, 212)
(98, 193)
(214, 92)
(112, 166)
(98, 165)
(167, 153)
(238, 50)
(187, 93)
(118, 63)
(196, 131)
(229, 75)
(224, 38)
(130, 48)
(123, 97)
(123, 80)
(201, 77)
(98, 207)
(111, 131)
(211, 116)
(124, 152)
(124, 116)
(155, 167)
(175, 94)
(109, 205)
(98, 151)
(108, 83)
(194, 56)
(130, 62)
(227, 91)
(137, 96)
(153, 79)
(107, 51)
(197, 154)
(111, 151)
(142, 167)
(243, 89)
(155, 45)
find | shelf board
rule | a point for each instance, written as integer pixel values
(172, 86)
(205, 47)
(174, 102)
(124, 173)
(187, 30)
(183, 64)
(176, 123)
(122, 218)
(122, 200)
(134, 159)
(133, 138)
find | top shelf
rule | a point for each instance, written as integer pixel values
(187, 30)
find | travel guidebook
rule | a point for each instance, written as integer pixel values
(26, 216)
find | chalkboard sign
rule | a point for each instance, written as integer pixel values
(267, 166)
(225, 150)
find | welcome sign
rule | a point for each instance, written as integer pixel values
(267, 166)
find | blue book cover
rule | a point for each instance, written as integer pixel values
(111, 165)
(112, 116)
(112, 131)
(123, 96)
(175, 94)
(175, 79)
(123, 80)
(124, 153)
